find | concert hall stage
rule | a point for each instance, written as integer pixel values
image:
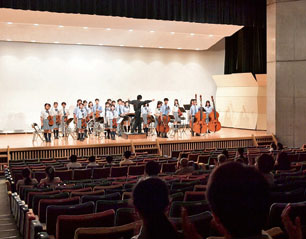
(21, 146)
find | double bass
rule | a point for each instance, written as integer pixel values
(214, 125)
(51, 121)
(163, 124)
(200, 125)
(190, 122)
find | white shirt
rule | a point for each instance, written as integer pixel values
(126, 109)
(81, 113)
(157, 112)
(62, 111)
(55, 111)
(44, 114)
(145, 110)
(208, 109)
(175, 109)
(111, 114)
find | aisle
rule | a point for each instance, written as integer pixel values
(8, 228)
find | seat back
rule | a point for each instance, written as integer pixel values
(28, 199)
(54, 211)
(81, 174)
(125, 216)
(103, 205)
(44, 203)
(32, 194)
(95, 198)
(119, 171)
(97, 192)
(37, 198)
(68, 224)
(288, 197)
(192, 208)
(194, 196)
(98, 173)
(168, 167)
(64, 175)
(136, 170)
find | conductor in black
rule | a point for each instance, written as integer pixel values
(137, 108)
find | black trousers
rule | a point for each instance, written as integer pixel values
(137, 123)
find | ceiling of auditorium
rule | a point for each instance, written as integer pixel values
(62, 28)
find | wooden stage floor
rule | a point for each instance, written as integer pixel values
(20, 141)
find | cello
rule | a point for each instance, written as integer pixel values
(163, 124)
(190, 122)
(51, 121)
(214, 125)
(200, 125)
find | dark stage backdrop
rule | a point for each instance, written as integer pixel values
(245, 51)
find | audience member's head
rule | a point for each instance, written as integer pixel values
(50, 173)
(282, 161)
(127, 154)
(221, 158)
(184, 162)
(152, 168)
(280, 146)
(265, 163)
(241, 152)
(151, 200)
(73, 158)
(273, 146)
(225, 152)
(109, 159)
(92, 159)
(26, 174)
(238, 197)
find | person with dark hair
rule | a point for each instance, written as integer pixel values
(282, 162)
(27, 179)
(265, 164)
(137, 108)
(221, 158)
(272, 147)
(184, 168)
(225, 152)
(240, 158)
(152, 168)
(92, 162)
(45, 117)
(73, 163)
(280, 146)
(157, 114)
(151, 200)
(109, 161)
(239, 199)
(126, 159)
(50, 179)
(165, 111)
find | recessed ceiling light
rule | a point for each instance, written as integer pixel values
(100, 44)
(85, 28)
(160, 47)
(36, 24)
(79, 43)
(121, 45)
(33, 41)
(141, 46)
(56, 42)
(192, 34)
(210, 35)
(60, 26)
(197, 49)
(172, 33)
(8, 40)
(179, 48)
(108, 29)
(152, 31)
(130, 30)
(9, 23)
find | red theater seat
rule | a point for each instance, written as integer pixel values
(136, 170)
(194, 196)
(81, 174)
(168, 167)
(98, 173)
(119, 171)
(64, 175)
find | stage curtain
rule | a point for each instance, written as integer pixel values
(245, 51)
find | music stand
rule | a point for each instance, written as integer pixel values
(187, 107)
(182, 109)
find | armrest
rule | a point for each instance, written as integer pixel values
(36, 227)
(42, 235)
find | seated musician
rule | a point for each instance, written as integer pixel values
(81, 116)
(145, 112)
(112, 116)
(126, 120)
(175, 111)
(193, 110)
(64, 113)
(208, 109)
(157, 113)
(165, 111)
(45, 122)
(56, 113)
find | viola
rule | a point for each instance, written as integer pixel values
(214, 125)
(200, 125)
(51, 121)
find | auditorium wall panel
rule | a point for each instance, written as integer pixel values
(32, 74)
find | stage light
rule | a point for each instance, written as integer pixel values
(8, 40)
(100, 44)
(140, 46)
(152, 31)
(130, 30)
(179, 48)
(33, 41)
(36, 24)
(9, 23)
(60, 26)
(79, 43)
(197, 49)
(121, 45)
(210, 35)
(172, 33)
(56, 42)
(192, 34)
(108, 29)
(85, 28)
(160, 47)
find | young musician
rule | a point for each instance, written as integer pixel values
(193, 110)
(119, 110)
(112, 116)
(145, 112)
(107, 109)
(64, 113)
(86, 109)
(75, 111)
(157, 113)
(137, 108)
(57, 119)
(97, 112)
(208, 109)
(126, 120)
(45, 122)
(81, 115)
(165, 111)
(175, 111)
(90, 114)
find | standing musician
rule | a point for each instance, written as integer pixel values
(193, 110)
(107, 109)
(157, 113)
(97, 110)
(86, 109)
(64, 113)
(137, 108)
(90, 114)
(145, 112)
(175, 111)
(165, 111)
(45, 122)
(81, 119)
(75, 111)
(126, 120)
(57, 120)
(112, 116)
(119, 110)
(208, 108)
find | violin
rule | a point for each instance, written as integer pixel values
(150, 119)
(84, 123)
(97, 114)
(200, 126)
(180, 112)
(51, 121)
(115, 123)
(58, 119)
(214, 125)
